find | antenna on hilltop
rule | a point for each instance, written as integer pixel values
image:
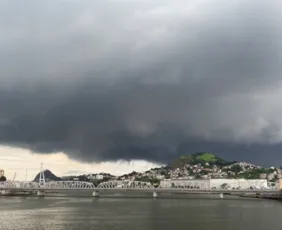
(41, 176)
(25, 175)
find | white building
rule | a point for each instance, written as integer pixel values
(99, 177)
(91, 177)
(270, 176)
(238, 183)
(160, 177)
(263, 176)
(170, 183)
(95, 177)
(214, 183)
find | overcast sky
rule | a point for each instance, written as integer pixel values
(26, 165)
(115, 80)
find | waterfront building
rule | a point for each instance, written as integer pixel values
(215, 183)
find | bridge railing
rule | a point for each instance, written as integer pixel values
(19, 184)
(188, 185)
(68, 185)
(124, 184)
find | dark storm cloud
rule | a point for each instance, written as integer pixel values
(142, 80)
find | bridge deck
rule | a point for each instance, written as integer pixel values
(124, 186)
(159, 190)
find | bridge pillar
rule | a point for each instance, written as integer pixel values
(95, 194)
(41, 193)
(221, 195)
(155, 195)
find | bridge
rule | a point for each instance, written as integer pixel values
(124, 186)
(192, 187)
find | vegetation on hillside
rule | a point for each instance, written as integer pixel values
(199, 158)
(255, 173)
(153, 181)
(207, 157)
(195, 166)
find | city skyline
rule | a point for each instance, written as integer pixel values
(27, 165)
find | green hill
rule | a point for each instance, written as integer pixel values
(198, 158)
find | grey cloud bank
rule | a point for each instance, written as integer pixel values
(110, 80)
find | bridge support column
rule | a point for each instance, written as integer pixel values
(95, 194)
(221, 195)
(41, 193)
(155, 195)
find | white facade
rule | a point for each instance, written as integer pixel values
(214, 183)
(184, 183)
(160, 177)
(238, 183)
(91, 177)
(99, 177)
(95, 177)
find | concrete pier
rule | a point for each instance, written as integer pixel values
(221, 195)
(155, 195)
(95, 194)
(41, 193)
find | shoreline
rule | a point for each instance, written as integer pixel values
(226, 196)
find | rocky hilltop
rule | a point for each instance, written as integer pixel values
(49, 176)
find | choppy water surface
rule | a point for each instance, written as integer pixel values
(138, 213)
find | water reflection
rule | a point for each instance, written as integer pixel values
(131, 214)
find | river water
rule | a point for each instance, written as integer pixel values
(107, 213)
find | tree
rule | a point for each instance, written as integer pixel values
(224, 185)
(236, 169)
